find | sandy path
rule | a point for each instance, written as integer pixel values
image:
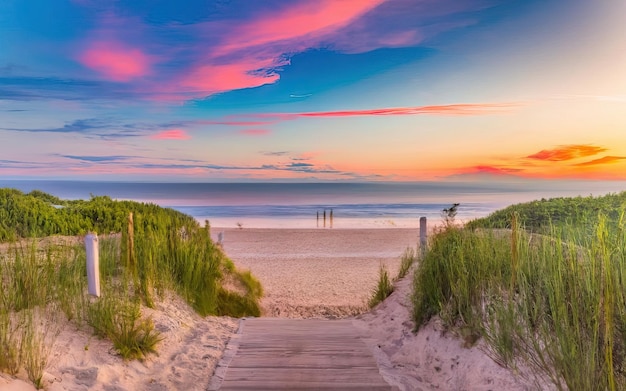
(317, 272)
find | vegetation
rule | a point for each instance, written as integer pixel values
(152, 251)
(541, 215)
(38, 214)
(383, 289)
(408, 259)
(554, 301)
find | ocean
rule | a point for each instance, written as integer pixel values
(302, 205)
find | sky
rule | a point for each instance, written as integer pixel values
(313, 90)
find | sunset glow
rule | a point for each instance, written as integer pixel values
(354, 90)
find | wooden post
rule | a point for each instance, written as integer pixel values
(324, 218)
(423, 235)
(331, 218)
(318, 219)
(93, 264)
(220, 239)
(131, 240)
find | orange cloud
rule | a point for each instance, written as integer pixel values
(567, 152)
(603, 160)
(116, 61)
(255, 132)
(172, 134)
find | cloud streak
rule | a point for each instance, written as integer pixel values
(171, 134)
(451, 110)
(97, 159)
(567, 152)
(602, 161)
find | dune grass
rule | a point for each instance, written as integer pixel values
(384, 286)
(383, 289)
(553, 302)
(43, 286)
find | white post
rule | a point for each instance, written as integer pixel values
(423, 238)
(93, 264)
(220, 239)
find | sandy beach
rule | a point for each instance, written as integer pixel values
(326, 273)
(317, 272)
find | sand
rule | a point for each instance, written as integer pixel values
(317, 272)
(305, 273)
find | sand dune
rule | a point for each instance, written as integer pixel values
(306, 273)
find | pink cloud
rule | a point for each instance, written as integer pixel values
(171, 134)
(211, 79)
(491, 170)
(250, 54)
(116, 61)
(453, 109)
(303, 19)
(255, 132)
(567, 152)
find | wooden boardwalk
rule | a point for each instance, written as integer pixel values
(298, 354)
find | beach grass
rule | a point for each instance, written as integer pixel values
(383, 289)
(43, 282)
(553, 303)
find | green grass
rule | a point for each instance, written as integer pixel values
(553, 301)
(406, 261)
(383, 289)
(45, 284)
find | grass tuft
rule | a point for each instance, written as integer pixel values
(407, 260)
(383, 289)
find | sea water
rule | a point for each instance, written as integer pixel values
(304, 205)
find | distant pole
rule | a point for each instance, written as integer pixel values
(324, 218)
(331, 218)
(318, 219)
(423, 236)
(93, 264)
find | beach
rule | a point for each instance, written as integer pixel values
(318, 273)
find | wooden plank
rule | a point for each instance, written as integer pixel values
(302, 354)
(279, 385)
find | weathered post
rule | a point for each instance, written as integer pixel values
(131, 241)
(423, 235)
(220, 239)
(318, 219)
(331, 218)
(324, 218)
(93, 264)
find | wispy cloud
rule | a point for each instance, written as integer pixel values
(97, 159)
(255, 132)
(274, 153)
(116, 61)
(77, 126)
(171, 134)
(602, 160)
(567, 152)
(50, 88)
(489, 170)
(452, 110)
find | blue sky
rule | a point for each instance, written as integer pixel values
(393, 90)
